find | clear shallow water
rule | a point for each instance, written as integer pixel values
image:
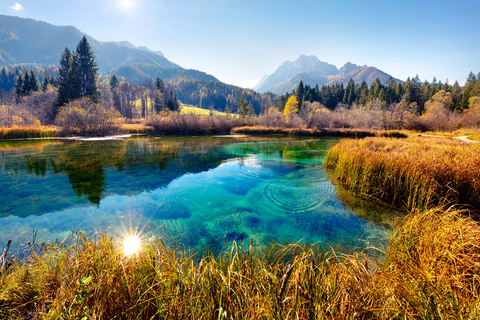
(197, 190)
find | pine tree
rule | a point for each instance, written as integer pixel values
(67, 79)
(242, 106)
(160, 85)
(86, 71)
(33, 82)
(114, 82)
(300, 93)
(45, 83)
(19, 87)
(349, 95)
(281, 103)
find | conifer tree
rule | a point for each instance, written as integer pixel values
(67, 82)
(45, 83)
(33, 82)
(86, 71)
(242, 106)
(19, 86)
(299, 93)
(114, 82)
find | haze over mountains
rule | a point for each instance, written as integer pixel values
(27, 41)
(313, 71)
(38, 44)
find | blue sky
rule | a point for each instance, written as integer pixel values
(239, 41)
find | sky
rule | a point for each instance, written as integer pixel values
(240, 41)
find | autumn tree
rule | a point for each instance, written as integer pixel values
(438, 111)
(291, 107)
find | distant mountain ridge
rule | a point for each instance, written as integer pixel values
(28, 41)
(312, 71)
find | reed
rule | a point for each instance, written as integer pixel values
(411, 173)
(431, 270)
(28, 132)
(357, 133)
(137, 128)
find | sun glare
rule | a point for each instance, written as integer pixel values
(126, 4)
(131, 244)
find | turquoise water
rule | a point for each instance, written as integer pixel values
(196, 190)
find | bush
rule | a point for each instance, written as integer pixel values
(194, 124)
(85, 117)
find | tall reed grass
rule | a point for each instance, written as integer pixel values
(430, 271)
(412, 173)
(358, 133)
(28, 132)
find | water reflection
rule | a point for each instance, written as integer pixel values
(198, 191)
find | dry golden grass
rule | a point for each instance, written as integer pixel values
(137, 128)
(319, 133)
(29, 132)
(418, 172)
(431, 271)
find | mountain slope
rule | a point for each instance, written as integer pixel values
(27, 41)
(313, 72)
(289, 69)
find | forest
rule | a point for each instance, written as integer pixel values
(36, 96)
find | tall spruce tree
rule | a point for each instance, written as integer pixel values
(86, 71)
(299, 93)
(67, 79)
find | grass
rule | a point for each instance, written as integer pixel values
(29, 132)
(136, 128)
(189, 109)
(359, 133)
(410, 173)
(430, 271)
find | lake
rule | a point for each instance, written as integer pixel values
(194, 191)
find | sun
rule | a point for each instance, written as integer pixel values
(131, 245)
(126, 4)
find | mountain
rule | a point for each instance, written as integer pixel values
(289, 69)
(31, 42)
(313, 72)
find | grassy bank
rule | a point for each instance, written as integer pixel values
(28, 132)
(412, 173)
(431, 271)
(353, 133)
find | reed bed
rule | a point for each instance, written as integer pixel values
(28, 132)
(411, 173)
(431, 270)
(137, 128)
(358, 133)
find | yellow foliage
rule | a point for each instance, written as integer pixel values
(474, 103)
(291, 106)
(87, 117)
(441, 100)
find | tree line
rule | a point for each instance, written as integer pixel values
(410, 91)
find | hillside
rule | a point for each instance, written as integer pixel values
(313, 72)
(31, 42)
